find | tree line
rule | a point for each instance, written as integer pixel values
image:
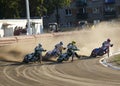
(15, 9)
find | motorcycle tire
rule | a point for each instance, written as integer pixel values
(59, 60)
(66, 59)
(24, 61)
(93, 55)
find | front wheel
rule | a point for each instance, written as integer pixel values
(25, 60)
(93, 54)
(59, 60)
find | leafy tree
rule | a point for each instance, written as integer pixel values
(9, 9)
(22, 8)
(35, 7)
(52, 5)
(38, 8)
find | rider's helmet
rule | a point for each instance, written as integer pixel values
(39, 45)
(108, 40)
(73, 42)
(61, 43)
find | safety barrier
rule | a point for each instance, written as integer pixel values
(7, 41)
(15, 39)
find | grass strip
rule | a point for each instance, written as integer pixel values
(117, 59)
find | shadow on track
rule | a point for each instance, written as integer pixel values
(9, 63)
(45, 62)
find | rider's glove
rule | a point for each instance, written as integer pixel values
(111, 45)
(45, 50)
(64, 48)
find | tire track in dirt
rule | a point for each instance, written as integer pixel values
(92, 69)
(25, 75)
(51, 71)
(7, 70)
(17, 75)
(79, 73)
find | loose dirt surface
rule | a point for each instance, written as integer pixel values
(79, 73)
(82, 72)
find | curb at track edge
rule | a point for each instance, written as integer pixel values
(104, 62)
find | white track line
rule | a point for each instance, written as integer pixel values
(11, 78)
(106, 64)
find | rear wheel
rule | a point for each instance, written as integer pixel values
(66, 59)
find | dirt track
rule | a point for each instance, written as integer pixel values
(84, 72)
(79, 73)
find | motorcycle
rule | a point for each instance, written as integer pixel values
(67, 55)
(100, 52)
(31, 58)
(51, 54)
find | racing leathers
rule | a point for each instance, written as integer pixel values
(59, 47)
(55, 52)
(38, 53)
(72, 48)
(105, 47)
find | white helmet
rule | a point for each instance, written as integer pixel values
(39, 45)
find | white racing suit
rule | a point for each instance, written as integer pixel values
(59, 48)
(105, 47)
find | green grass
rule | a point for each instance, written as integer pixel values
(117, 59)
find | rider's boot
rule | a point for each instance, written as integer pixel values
(72, 59)
(78, 56)
(40, 59)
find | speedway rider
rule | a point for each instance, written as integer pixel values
(106, 45)
(56, 51)
(38, 52)
(59, 47)
(71, 47)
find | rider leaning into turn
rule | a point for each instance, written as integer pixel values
(71, 47)
(59, 47)
(38, 52)
(106, 45)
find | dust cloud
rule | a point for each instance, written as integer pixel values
(86, 40)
